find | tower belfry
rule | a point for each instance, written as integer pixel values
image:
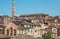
(13, 12)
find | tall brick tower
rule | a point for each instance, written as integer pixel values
(13, 12)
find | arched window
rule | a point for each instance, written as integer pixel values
(11, 31)
(7, 32)
(1, 31)
(14, 31)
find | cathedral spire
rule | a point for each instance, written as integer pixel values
(13, 12)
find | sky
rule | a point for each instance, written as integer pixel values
(50, 7)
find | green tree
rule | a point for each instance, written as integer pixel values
(47, 36)
(39, 38)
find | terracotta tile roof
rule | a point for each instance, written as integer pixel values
(51, 19)
(35, 15)
(16, 22)
(24, 28)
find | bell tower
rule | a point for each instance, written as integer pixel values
(13, 12)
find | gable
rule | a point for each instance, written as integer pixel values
(11, 25)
